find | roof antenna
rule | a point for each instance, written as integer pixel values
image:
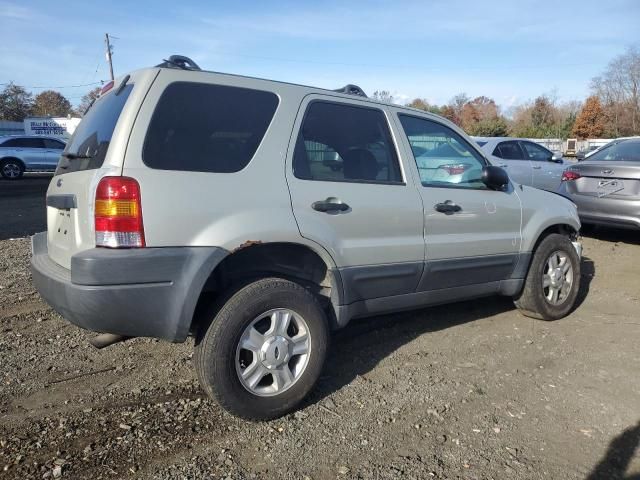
(351, 89)
(179, 61)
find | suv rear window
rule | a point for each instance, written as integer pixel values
(93, 134)
(207, 128)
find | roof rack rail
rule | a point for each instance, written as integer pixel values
(179, 61)
(351, 89)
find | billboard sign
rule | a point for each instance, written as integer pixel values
(62, 127)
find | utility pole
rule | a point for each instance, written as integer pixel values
(106, 39)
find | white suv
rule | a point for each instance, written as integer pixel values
(192, 202)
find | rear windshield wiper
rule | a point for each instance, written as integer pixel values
(75, 156)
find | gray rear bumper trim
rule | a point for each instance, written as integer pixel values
(150, 292)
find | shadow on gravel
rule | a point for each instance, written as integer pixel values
(610, 234)
(587, 272)
(615, 462)
(358, 348)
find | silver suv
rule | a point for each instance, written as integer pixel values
(28, 153)
(200, 203)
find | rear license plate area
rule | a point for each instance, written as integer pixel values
(607, 187)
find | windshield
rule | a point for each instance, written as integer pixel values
(90, 141)
(624, 151)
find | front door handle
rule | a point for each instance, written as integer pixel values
(331, 204)
(537, 167)
(447, 207)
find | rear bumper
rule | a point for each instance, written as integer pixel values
(606, 210)
(148, 292)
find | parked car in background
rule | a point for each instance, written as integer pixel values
(28, 153)
(525, 161)
(606, 186)
(596, 148)
(584, 153)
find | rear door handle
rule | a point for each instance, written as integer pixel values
(503, 165)
(331, 204)
(537, 167)
(447, 207)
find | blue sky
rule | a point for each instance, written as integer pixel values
(511, 51)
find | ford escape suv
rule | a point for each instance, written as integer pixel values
(200, 203)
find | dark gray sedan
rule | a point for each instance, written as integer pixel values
(606, 186)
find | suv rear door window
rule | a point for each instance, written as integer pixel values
(94, 132)
(345, 143)
(53, 144)
(536, 152)
(207, 128)
(509, 151)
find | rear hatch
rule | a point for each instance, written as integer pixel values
(95, 150)
(608, 179)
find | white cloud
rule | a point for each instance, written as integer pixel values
(15, 12)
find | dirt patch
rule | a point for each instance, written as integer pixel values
(472, 390)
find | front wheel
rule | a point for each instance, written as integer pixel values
(553, 280)
(264, 350)
(11, 169)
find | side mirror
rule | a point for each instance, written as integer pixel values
(494, 177)
(556, 157)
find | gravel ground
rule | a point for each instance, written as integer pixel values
(472, 390)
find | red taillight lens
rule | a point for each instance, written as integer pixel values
(455, 169)
(106, 87)
(118, 213)
(570, 175)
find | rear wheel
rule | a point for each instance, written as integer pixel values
(264, 350)
(553, 280)
(11, 168)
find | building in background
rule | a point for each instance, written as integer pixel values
(8, 127)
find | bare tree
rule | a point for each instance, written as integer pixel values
(383, 96)
(618, 89)
(87, 100)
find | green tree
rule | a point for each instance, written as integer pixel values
(15, 103)
(493, 127)
(51, 104)
(542, 116)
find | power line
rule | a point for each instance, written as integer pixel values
(58, 86)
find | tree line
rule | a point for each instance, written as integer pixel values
(16, 103)
(612, 110)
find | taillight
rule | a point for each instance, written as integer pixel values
(570, 175)
(455, 169)
(118, 213)
(106, 87)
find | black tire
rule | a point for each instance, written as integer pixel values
(532, 301)
(17, 165)
(215, 351)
